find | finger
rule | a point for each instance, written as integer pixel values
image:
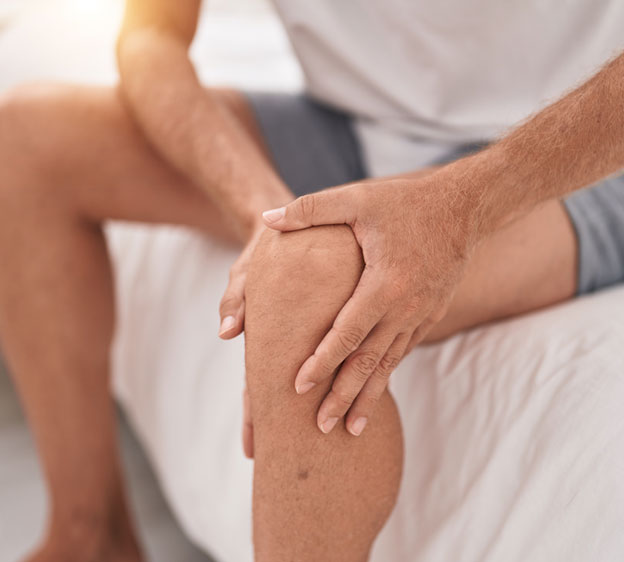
(353, 374)
(354, 322)
(368, 398)
(333, 206)
(248, 436)
(232, 307)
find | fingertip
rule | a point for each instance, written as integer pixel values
(303, 387)
(357, 426)
(302, 383)
(228, 328)
(230, 335)
(327, 425)
(273, 216)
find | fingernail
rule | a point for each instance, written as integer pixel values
(227, 324)
(274, 215)
(358, 426)
(304, 387)
(328, 425)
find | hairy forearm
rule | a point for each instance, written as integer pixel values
(569, 145)
(191, 130)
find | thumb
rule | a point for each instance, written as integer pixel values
(332, 206)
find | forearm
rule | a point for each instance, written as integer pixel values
(191, 130)
(569, 145)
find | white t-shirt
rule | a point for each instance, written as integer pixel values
(447, 71)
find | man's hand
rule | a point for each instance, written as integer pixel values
(232, 306)
(190, 127)
(416, 236)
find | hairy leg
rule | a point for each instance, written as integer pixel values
(316, 497)
(71, 158)
(528, 265)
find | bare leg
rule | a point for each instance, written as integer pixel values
(59, 192)
(316, 497)
(320, 497)
(528, 265)
(70, 158)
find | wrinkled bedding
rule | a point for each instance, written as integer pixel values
(514, 432)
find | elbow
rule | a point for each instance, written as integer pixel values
(135, 36)
(137, 43)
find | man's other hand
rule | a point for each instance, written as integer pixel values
(232, 306)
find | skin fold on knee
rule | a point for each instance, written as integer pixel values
(316, 496)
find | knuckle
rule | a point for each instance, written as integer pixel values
(387, 364)
(348, 339)
(307, 204)
(343, 397)
(362, 365)
(383, 375)
(228, 302)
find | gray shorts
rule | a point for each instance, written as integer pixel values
(314, 146)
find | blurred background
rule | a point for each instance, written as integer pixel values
(239, 42)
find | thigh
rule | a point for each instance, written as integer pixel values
(559, 250)
(82, 143)
(529, 264)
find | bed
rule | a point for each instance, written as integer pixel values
(514, 432)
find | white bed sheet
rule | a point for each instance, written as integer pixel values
(514, 432)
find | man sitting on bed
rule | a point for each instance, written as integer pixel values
(395, 86)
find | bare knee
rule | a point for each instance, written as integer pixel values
(19, 158)
(297, 284)
(26, 113)
(28, 136)
(315, 266)
(42, 127)
(297, 258)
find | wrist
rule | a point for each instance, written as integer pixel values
(486, 187)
